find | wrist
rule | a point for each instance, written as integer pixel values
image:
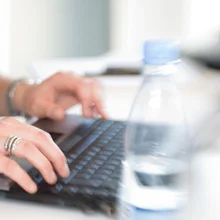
(20, 93)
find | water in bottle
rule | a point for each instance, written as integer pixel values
(156, 143)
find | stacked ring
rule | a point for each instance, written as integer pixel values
(11, 144)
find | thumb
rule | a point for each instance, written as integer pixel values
(52, 111)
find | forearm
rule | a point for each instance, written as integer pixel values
(4, 85)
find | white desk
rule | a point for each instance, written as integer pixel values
(119, 95)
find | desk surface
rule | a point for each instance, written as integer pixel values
(119, 96)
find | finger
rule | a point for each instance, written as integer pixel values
(50, 110)
(97, 99)
(11, 169)
(85, 96)
(48, 148)
(87, 109)
(37, 159)
(43, 142)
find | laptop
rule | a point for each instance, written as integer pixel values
(94, 151)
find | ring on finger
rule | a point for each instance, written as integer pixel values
(11, 144)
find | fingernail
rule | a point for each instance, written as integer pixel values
(33, 188)
(66, 169)
(53, 177)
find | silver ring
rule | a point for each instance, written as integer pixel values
(11, 144)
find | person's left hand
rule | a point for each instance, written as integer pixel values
(59, 92)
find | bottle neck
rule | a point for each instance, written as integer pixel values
(153, 70)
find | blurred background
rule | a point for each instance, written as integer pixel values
(33, 30)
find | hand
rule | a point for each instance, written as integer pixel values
(59, 92)
(37, 147)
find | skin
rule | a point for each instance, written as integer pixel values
(49, 99)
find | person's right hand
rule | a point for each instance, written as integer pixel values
(37, 147)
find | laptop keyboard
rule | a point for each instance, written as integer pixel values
(94, 153)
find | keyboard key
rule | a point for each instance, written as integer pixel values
(87, 191)
(88, 141)
(70, 190)
(73, 156)
(101, 193)
(102, 157)
(91, 153)
(107, 153)
(94, 166)
(110, 184)
(114, 162)
(87, 157)
(91, 171)
(87, 183)
(84, 176)
(57, 188)
(99, 162)
(109, 167)
(95, 149)
(78, 167)
(100, 176)
(38, 178)
(103, 171)
(69, 160)
(72, 174)
(70, 142)
(83, 162)
(102, 142)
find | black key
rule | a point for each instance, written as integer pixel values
(116, 176)
(109, 167)
(38, 178)
(99, 162)
(86, 144)
(103, 142)
(57, 188)
(84, 176)
(97, 132)
(72, 174)
(107, 153)
(103, 171)
(91, 153)
(110, 184)
(70, 189)
(78, 167)
(111, 148)
(87, 157)
(100, 176)
(84, 190)
(114, 142)
(83, 162)
(69, 160)
(70, 142)
(95, 149)
(94, 166)
(102, 157)
(119, 153)
(88, 183)
(91, 171)
(73, 156)
(101, 193)
(113, 162)
(85, 127)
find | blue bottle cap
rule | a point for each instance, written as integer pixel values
(160, 52)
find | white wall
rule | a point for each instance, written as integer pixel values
(134, 21)
(5, 15)
(46, 29)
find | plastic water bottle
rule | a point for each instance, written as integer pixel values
(154, 183)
